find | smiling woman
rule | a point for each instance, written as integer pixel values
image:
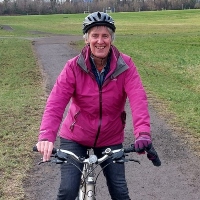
(102, 77)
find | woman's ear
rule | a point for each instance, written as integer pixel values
(86, 42)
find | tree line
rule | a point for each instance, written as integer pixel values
(38, 7)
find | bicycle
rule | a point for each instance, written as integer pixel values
(89, 178)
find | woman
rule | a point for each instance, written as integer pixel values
(98, 82)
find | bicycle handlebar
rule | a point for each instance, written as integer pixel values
(115, 155)
(53, 151)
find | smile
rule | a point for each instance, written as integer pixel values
(100, 47)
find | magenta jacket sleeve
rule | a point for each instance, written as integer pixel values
(137, 99)
(56, 104)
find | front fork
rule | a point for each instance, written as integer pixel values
(87, 187)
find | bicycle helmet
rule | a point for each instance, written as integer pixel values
(98, 19)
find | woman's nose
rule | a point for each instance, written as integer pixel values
(100, 40)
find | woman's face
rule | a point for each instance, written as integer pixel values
(100, 40)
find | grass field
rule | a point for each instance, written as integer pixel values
(165, 46)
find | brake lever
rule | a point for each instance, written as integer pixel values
(134, 160)
(57, 161)
(41, 162)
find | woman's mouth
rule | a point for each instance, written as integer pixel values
(100, 47)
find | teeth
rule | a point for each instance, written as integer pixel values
(100, 47)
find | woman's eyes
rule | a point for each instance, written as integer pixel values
(95, 36)
(103, 36)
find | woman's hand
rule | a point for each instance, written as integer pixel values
(142, 142)
(45, 148)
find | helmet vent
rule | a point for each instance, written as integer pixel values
(99, 15)
(95, 19)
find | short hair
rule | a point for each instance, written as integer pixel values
(112, 33)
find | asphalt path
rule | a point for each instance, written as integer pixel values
(179, 176)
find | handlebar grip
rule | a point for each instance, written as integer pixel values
(156, 161)
(54, 150)
(35, 149)
(153, 155)
(129, 149)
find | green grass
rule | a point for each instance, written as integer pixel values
(165, 46)
(127, 23)
(57, 24)
(169, 66)
(21, 99)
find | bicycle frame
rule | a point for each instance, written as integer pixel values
(88, 179)
(87, 185)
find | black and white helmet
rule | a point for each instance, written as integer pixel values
(98, 19)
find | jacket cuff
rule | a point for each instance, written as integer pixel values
(143, 134)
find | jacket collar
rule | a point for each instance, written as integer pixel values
(117, 64)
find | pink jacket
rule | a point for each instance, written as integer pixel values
(95, 117)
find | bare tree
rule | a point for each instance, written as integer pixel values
(6, 7)
(79, 6)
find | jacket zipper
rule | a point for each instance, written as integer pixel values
(75, 117)
(100, 109)
(100, 115)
